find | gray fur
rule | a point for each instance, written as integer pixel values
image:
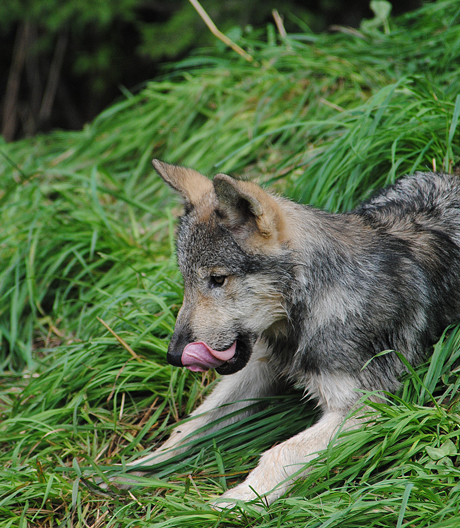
(317, 295)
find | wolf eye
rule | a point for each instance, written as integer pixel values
(215, 281)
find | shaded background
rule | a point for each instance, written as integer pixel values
(63, 61)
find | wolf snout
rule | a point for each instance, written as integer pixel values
(197, 356)
(176, 346)
(174, 359)
(200, 357)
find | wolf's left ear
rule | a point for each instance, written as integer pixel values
(246, 209)
(188, 182)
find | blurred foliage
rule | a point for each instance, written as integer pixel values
(62, 62)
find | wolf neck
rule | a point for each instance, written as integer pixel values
(308, 230)
(323, 249)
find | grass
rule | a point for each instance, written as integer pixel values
(87, 238)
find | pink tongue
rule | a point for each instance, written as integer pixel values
(200, 357)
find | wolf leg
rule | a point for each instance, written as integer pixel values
(232, 393)
(270, 478)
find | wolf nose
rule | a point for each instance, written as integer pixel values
(179, 341)
(174, 359)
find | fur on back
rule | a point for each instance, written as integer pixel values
(385, 276)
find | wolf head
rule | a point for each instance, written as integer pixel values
(231, 250)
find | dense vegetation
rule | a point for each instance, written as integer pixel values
(89, 285)
(63, 61)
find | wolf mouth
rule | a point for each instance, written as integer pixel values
(200, 357)
(239, 360)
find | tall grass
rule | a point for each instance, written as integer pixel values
(90, 289)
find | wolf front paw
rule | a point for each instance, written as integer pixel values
(241, 493)
(229, 501)
(263, 493)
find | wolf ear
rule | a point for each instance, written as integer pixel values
(246, 209)
(188, 182)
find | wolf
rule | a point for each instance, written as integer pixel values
(279, 294)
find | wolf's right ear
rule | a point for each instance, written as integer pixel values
(188, 182)
(250, 212)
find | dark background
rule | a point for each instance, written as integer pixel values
(63, 61)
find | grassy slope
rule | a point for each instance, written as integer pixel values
(87, 233)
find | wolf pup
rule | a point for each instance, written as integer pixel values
(278, 293)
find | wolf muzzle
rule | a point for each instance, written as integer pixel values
(241, 351)
(176, 346)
